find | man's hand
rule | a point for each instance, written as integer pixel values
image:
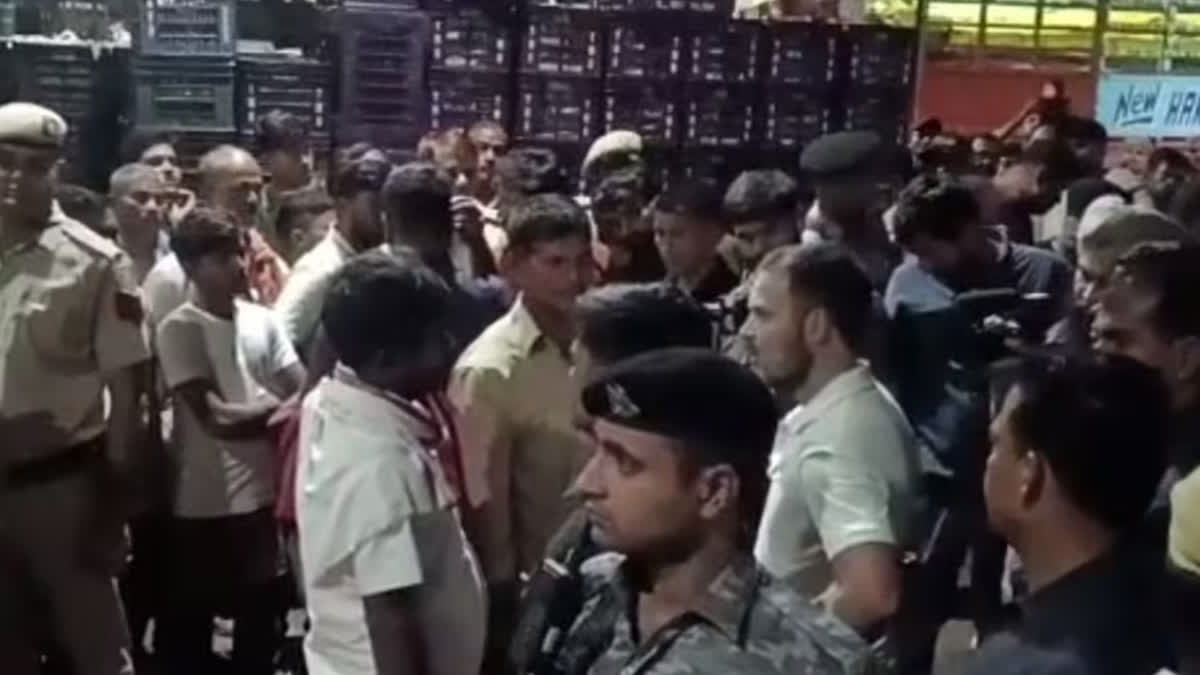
(468, 216)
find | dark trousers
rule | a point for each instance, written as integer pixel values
(226, 567)
(142, 585)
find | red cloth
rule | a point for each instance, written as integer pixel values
(441, 438)
(264, 269)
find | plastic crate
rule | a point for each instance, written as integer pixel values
(645, 48)
(642, 5)
(883, 109)
(61, 77)
(8, 17)
(558, 109)
(719, 8)
(562, 42)
(719, 115)
(879, 55)
(718, 166)
(302, 87)
(564, 4)
(801, 54)
(189, 26)
(792, 117)
(185, 92)
(471, 39)
(730, 53)
(88, 19)
(648, 107)
(383, 69)
(192, 144)
(459, 99)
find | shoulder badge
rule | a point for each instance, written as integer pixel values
(620, 403)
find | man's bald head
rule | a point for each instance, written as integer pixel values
(231, 179)
(133, 177)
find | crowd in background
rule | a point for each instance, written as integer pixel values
(473, 417)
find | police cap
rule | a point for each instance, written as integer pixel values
(693, 395)
(841, 153)
(32, 125)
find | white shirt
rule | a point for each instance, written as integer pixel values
(165, 288)
(375, 515)
(844, 472)
(299, 303)
(242, 358)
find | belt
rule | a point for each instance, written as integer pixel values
(55, 466)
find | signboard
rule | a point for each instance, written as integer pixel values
(1148, 105)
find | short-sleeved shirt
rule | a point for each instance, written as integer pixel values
(515, 402)
(746, 622)
(242, 357)
(844, 472)
(375, 514)
(299, 304)
(70, 314)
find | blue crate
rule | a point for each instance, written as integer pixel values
(801, 54)
(471, 39)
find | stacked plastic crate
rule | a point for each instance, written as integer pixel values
(798, 85)
(721, 97)
(471, 61)
(879, 72)
(382, 97)
(184, 72)
(560, 78)
(296, 85)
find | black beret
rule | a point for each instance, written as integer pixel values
(840, 153)
(689, 394)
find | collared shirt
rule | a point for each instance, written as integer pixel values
(515, 401)
(844, 472)
(299, 304)
(746, 622)
(376, 514)
(70, 314)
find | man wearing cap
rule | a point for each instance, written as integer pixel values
(674, 489)
(70, 333)
(846, 168)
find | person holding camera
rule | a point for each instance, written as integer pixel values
(944, 357)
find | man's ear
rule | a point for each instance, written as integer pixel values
(511, 263)
(719, 489)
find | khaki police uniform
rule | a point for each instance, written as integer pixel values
(70, 315)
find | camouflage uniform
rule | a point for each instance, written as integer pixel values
(747, 622)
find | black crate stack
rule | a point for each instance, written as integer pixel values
(472, 55)
(382, 99)
(879, 72)
(292, 84)
(560, 77)
(184, 73)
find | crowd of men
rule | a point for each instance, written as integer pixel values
(475, 419)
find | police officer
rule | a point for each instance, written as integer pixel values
(71, 351)
(674, 488)
(847, 169)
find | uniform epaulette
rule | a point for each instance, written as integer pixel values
(88, 239)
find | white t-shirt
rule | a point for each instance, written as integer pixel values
(165, 288)
(376, 515)
(243, 358)
(299, 303)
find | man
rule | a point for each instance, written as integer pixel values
(83, 206)
(230, 179)
(674, 488)
(227, 364)
(942, 363)
(844, 472)
(514, 396)
(1098, 251)
(392, 586)
(304, 219)
(613, 152)
(1032, 186)
(625, 249)
(137, 199)
(61, 368)
(157, 151)
(490, 143)
(354, 183)
(687, 230)
(1166, 170)
(1061, 488)
(760, 207)
(285, 153)
(845, 170)
(1149, 314)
